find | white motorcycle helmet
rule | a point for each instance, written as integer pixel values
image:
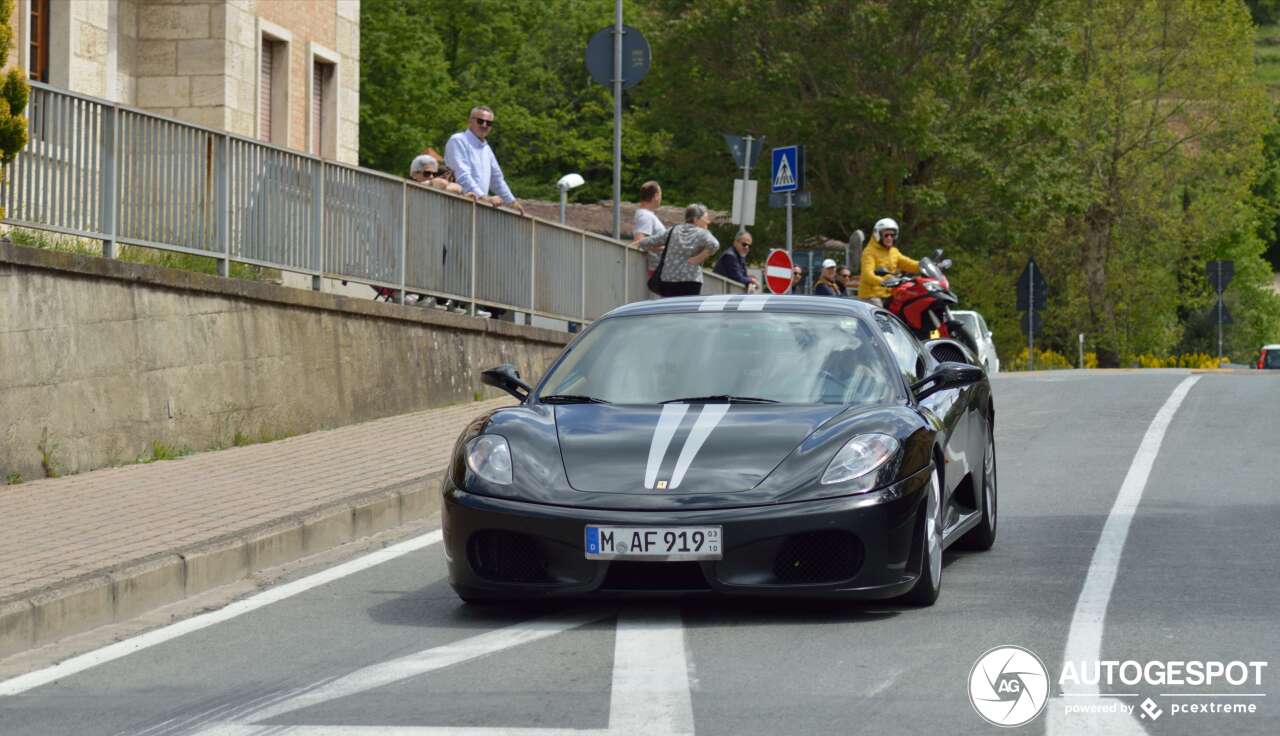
(885, 223)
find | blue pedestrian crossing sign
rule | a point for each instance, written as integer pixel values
(787, 172)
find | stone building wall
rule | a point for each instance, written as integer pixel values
(198, 60)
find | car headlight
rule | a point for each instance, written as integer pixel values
(857, 462)
(489, 457)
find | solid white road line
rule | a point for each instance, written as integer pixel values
(1084, 640)
(650, 692)
(427, 660)
(23, 683)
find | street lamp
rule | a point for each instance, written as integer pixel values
(567, 182)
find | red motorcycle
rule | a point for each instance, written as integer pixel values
(923, 301)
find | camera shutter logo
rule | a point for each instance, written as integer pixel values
(1008, 686)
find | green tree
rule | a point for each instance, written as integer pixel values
(425, 63)
(13, 96)
(1168, 141)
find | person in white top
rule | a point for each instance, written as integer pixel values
(647, 223)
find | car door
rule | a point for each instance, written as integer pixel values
(948, 407)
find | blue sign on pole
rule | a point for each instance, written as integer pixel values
(787, 172)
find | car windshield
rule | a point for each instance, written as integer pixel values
(718, 356)
(1273, 359)
(970, 323)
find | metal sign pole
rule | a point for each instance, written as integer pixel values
(617, 120)
(789, 201)
(1219, 315)
(746, 174)
(1031, 316)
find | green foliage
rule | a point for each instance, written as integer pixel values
(161, 451)
(1124, 143)
(13, 96)
(425, 63)
(136, 254)
(13, 479)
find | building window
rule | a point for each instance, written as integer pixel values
(267, 91)
(322, 105)
(39, 61)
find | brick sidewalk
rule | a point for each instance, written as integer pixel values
(60, 530)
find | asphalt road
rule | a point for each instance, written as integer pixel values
(390, 650)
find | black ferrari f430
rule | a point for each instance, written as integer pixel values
(738, 445)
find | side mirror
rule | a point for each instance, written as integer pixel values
(937, 254)
(944, 264)
(948, 375)
(507, 378)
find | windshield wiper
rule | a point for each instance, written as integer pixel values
(719, 398)
(570, 399)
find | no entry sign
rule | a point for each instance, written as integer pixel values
(777, 271)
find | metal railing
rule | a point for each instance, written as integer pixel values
(95, 169)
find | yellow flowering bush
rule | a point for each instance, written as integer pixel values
(1186, 360)
(1046, 360)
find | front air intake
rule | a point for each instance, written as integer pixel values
(814, 558)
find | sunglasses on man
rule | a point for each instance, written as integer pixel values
(483, 123)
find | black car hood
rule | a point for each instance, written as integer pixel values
(677, 449)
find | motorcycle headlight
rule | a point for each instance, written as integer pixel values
(856, 463)
(489, 457)
(932, 286)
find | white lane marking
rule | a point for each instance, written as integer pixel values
(80, 663)
(649, 695)
(715, 303)
(777, 272)
(753, 302)
(241, 729)
(1084, 639)
(650, 692)
(668, 422)
(427, 660)
(708, 418)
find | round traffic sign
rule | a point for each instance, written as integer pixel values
(636, 57)
(777, 271)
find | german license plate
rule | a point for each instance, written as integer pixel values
(657, 543)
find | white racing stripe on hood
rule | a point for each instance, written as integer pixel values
(708, 418)
(753, 302)
(668, 423)
(715, 303)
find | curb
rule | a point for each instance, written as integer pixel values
(123, 592)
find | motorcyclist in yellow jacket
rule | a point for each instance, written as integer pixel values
(882, 252)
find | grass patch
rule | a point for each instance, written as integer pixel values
(13, 479)
(240, 439)
(137, 254)
(161, 451)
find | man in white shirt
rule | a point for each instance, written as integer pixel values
(474, 166)
(647, 223)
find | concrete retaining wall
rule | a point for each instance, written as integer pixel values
(100, 359)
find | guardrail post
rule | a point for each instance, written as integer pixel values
(583, 293)
(223, 199)
(110, 142)
(404, 240)
(317, 226)
(626, 274)
(474, 247)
